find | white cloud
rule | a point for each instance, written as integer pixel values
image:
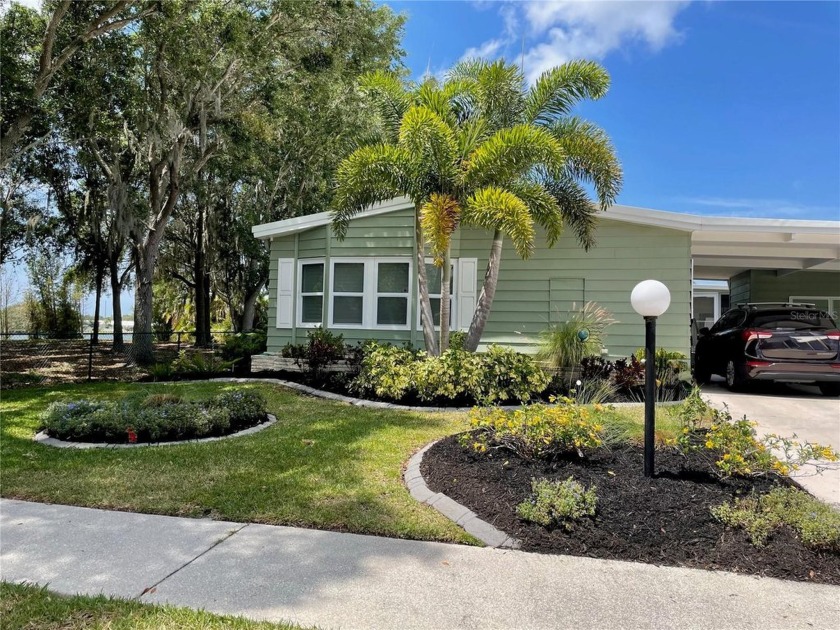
(758, 208)
(572, 29)
(488, 49)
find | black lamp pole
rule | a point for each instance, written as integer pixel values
(650, 391)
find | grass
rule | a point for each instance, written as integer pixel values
(323, 465)
(26, 606)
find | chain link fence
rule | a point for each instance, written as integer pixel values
(26, 360)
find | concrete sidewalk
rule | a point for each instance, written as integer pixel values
(349, 581)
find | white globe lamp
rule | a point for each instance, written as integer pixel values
(650, 299)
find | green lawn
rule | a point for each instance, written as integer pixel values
(25, 606)
(323, 465)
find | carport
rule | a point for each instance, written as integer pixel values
(763, 260)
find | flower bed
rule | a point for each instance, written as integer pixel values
(559, 481)
(155, 418)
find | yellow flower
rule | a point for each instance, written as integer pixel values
(709, 444)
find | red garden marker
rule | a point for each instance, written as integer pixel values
(132, 436)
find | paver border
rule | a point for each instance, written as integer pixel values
(375, 404)
(451, 509)
(42, 438)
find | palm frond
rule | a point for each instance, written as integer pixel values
(495, 208)
(390, 96)
(543, 207)
(430, 144)
(511, 153)
(579, 213)
(368, 175)
(439, 218)
(559, 89)
(495, 89)
(590, 157)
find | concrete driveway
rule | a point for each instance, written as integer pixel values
(787, 410)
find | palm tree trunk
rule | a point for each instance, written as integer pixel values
(426, 319)
(488, 292)
(445, 282)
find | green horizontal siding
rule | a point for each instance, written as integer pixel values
(739, 288)
(624, 255)
(527, 300)
(390, 234)
(312, 243)
(767, 286)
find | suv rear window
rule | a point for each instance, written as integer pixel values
(792, 319)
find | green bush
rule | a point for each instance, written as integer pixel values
(498, 375)
(816, 524)
(322, 348)
(557, 502)
(243, 345)
(246, 407)
(200, 364)
(160, 417)
(535, 431)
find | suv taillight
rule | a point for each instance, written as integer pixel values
(833, 334)
(751, 333)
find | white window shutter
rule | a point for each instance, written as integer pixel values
(467, 280)
(285, 291)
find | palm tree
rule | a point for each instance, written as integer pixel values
(451, 166)
(481, 150)
(554, 197)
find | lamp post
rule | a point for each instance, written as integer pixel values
(650, 298)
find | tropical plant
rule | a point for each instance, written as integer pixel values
(480, 150)
(566, 343)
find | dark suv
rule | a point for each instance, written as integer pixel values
(792, 343)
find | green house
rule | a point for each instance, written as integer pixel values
(365, 285)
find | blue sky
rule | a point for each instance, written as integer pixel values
(724, 108)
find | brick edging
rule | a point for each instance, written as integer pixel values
(451, 509)
(42, 438)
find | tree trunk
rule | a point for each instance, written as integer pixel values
(143, 346)
(488, 292)
(426, 319)
(94, 337)
(445, 306)
(118, 344)
(201, 281)
(249, 311)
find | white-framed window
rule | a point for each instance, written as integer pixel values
(434, 275)
(393, 292)
(371, 293)
(310, 305)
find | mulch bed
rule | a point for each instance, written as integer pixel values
(665, 520)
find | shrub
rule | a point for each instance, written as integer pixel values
(200, 364)
(457, 339)
(535, 431)
(499, 374)
(561, 345)
(243, 345)
(596, 367)
(160, 371)
(816, 524)
(595, 390)
(733, 446)
(246, 407)
(321, 349)
(158, 417)
(670, 365)
(386, 371)
(628, 373)
(558, 502)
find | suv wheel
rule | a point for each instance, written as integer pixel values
(830, 389)
(734, 376)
